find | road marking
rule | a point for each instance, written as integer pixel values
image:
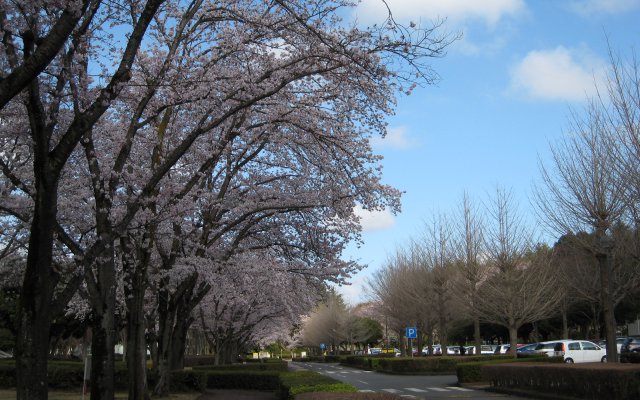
(391, 390)
(366, 383)
(437, 389)
(459, 388)
(416, 390)
(366, 391)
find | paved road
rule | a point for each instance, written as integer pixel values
(411, 387)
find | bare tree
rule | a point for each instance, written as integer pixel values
(472, 271)
(402, 292)
(520, 287)
(436, 254)
(583, 192)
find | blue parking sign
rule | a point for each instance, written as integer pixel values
(412, 333)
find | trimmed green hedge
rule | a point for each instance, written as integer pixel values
(579, 381)
(271, 366)
(472, 371)
(328, 359)
(292, 383)
(417, 365)
(252, 380)
(70, 375)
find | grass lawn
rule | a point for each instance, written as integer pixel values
(77, 395)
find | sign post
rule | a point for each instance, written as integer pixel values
(412, 333)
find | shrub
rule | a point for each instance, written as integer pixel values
(188, 381)
(271, 366)
(430, 365)
(472, 371)
(347, 396)
(584, 381)
(292, 383)
(254, 380)
(192, 361)
(324, 387)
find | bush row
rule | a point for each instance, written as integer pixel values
(270, 366)
(294, 383)
(586, 381)
(416, 365)
(69, 375)
(329, 359)
(472, 371)
(347, 396)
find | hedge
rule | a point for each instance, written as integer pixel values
(347, 396)
(292, 383)
(70, 375)
(418, 365)
(472, 371)
(271, 366)
(252, 380)
(328, 359)
(580, 381)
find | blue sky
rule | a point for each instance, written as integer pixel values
(506, 91)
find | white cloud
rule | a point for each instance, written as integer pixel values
(589, 7)
(490, 11)
(374, 220)
(396, 138)
(558, 74)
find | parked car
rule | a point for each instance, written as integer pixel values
(630, 344)
(487, 349)
(619, 342)
(470, 350)
(502, 349)
(527, 348)
(573, 351)
(453, 350)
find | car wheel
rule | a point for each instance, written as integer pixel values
(604, 359)
(569, 360)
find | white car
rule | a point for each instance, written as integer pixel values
(502, 349)
(573, 351)
(487, 349)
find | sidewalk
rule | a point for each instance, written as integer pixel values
(232, 394)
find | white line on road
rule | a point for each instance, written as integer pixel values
(437, 389)
(459, 388)
(416, 390)
(390, 390)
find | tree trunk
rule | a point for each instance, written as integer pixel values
(513, 339)
(604, 261)
(565, 324)
(476, 335)
(166, 313)
(178, 343)
(104, 332)
(35, 305)
(136, 356)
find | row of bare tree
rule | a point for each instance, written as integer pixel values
(485, 265)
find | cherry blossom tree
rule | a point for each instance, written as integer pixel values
(207, 73)
(249, 304)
